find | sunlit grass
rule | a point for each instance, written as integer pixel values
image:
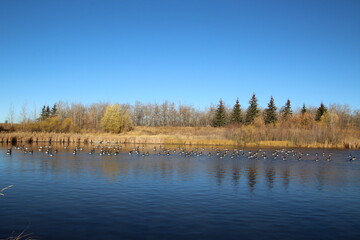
(316, 136)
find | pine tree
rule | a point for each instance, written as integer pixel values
(53, 110)
(252, 112)
(47, 111)
(44, 113)
(320, 112)
(236, 114)
(220, 115)
(286, 111)
(270, 115)
(303, 110)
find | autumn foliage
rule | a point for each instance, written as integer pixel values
(335, 125)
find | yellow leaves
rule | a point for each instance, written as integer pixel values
(330, 119)
(115, 120)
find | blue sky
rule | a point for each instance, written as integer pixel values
(187, 51)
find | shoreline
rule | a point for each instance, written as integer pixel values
(175, 138)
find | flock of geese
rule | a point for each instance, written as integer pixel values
(282, 154)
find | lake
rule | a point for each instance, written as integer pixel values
(170, 192)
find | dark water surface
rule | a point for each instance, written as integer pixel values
(174, 196)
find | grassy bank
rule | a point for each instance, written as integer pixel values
(150, 135)
(248, 136)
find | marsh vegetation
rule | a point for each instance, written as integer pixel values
(332, 126)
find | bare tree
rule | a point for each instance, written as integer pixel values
(23, 113)
(11, 115)
(34, 113)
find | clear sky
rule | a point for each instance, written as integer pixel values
(186, 51)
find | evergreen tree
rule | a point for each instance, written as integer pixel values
(45, 113)
(303, 110)
(286, 111)
(252, 112)
(220, 115)
(270, 115)
(53, 110)
(320, 112)
(236, 114)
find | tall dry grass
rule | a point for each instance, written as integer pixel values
(300, 131)
(290, 133)
(22, 235)
(1, 194)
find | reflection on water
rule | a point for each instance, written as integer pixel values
(181, 193)
(270, 176)
(175, 166)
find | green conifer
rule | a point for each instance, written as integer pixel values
(236, 114)
(252, 112)
(320, 112)
(303, 110)
(53, 110)
(286, 111)
(270, 115)
(47, 111)
(44, 113)
(220, 115)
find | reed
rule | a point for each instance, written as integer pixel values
(315, 136)
(21, 236)
(1, 194)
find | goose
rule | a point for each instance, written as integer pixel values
(9, 151)
(352, 158)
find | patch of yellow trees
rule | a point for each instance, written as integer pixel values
(116, 120)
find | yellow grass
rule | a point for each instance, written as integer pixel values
(249, 136)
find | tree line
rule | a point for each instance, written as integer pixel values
(269, 115)
(116, 118)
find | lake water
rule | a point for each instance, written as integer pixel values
(175, 195)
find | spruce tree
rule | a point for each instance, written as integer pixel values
(220, 115)
(252, 112)
(236, 114)
(286, 111)
(320, 112)
(44, 114)
(270, 115)
(47, 111)
(303, 110)
(53, 110)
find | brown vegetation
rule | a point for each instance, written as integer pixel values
(336, 126)
(316, 136)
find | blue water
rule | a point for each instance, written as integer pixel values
(84, 196)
